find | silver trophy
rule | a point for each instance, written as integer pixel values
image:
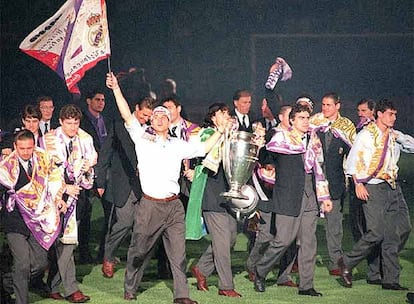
(239, 160)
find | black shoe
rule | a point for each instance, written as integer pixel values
(40, 288)
(259, 283)
(346, 273)
(374, 282)
(310, 292)
(394, 286)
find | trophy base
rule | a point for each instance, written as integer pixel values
(234, 194)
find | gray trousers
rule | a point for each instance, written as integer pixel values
(29, 259)
(334, 233)
(122, 226)
(155, 220)
(62, 269)
(388, 224)
(289, 228)
(263, 239)
(222, 228)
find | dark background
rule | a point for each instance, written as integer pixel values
(211, 48)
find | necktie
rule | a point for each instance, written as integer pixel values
(173, 134)
(29, 168)
(69, 148)
(46, 127)
(269, 125)
(328, 138)
(244, 122)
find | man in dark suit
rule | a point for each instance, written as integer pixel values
(94, 123)
(117, 159)
(294, 201)
(268, 120)
(242, 101)
(46, 107)
(334, 150)
(23, 231)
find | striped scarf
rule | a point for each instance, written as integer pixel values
(290, 142)
(37, 200)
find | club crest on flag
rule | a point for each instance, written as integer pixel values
(96, 33)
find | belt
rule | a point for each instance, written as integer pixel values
(161, 200)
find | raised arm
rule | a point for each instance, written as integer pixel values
(112, 83)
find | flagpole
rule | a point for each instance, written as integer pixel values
(109, 64)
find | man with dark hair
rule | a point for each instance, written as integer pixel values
(365, 108)
(31, 181)
(263, 180)
(95, 124)
(122, 188)
(295, 154)
(73, 148)
(30, 119)
(336, 134)
(242, 101)
(46, 106)
(372, 163)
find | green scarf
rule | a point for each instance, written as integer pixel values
(193, 218)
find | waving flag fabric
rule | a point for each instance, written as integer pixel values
(72, 41)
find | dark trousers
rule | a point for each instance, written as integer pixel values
(29, 259)
(155, 220)
(290, 228)
(334, 233)
(123, 223)
(262, 242)
(356, 214)
(222, 228)
(358, 228)
(83, 215)
(62, 268)
(387, 224)
(107, 210)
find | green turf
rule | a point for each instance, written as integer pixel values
(102, 290)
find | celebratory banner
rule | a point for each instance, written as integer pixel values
(72, 41)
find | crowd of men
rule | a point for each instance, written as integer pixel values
(153, 170)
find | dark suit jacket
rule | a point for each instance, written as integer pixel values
(54, 123)
(117, 157)
(216, 184)
(333, 165)
(87, 126)
(241, 128)
(290, 183)
(13, 221)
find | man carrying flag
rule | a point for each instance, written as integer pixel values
(72, 41)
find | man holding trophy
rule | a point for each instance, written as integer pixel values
(296, 155)
(230, 163)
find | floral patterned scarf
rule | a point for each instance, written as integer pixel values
(290, 142)
(37, 200)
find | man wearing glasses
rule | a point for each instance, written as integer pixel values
(46, 107)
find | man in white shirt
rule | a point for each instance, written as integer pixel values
(161, 213)
(372, 163)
